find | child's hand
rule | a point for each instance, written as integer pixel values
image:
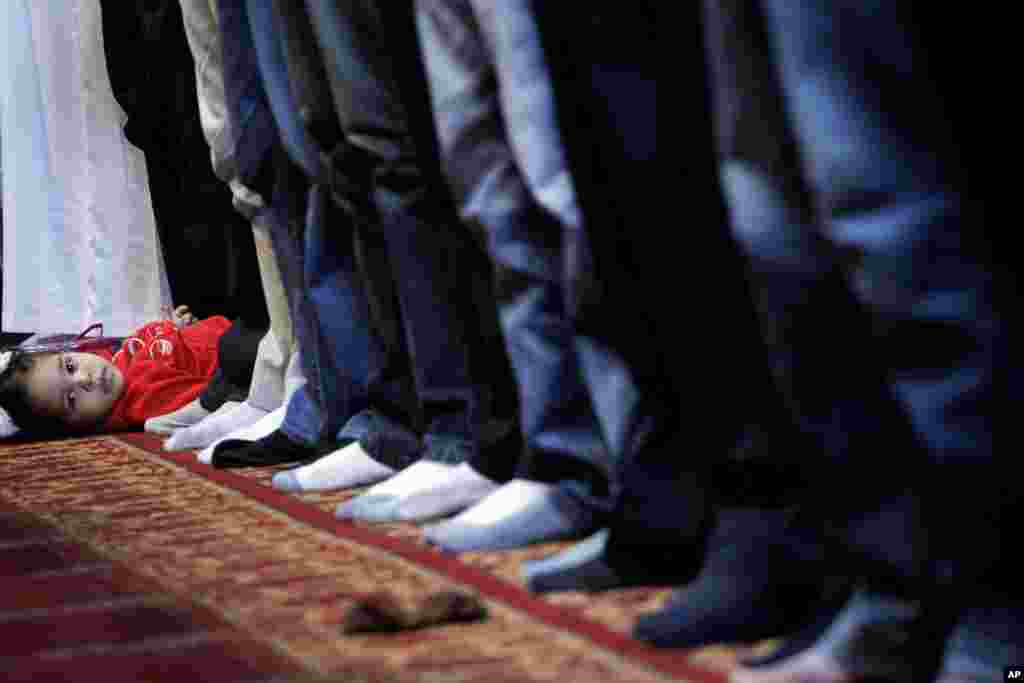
(182, 316)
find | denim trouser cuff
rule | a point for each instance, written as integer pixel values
(383, 439)
(447, 450)
(579, 477)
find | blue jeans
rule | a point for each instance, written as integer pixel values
(380, 436)
(874, 282)
(440, 278)
(341, 358)
(302, 417)
(503, 157)
(665, 337)
(251, 123)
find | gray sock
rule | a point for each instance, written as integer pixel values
(517, 514)
(422, 491)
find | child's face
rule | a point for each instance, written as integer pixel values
(77, 388)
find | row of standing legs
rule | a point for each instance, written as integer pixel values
(507, 313)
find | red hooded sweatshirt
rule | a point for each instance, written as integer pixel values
(164, 368)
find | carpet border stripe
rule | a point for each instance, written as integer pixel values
(671, 662)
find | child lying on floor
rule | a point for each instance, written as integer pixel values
(78, 387)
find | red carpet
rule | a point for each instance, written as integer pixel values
(147, 566)
(69, 614)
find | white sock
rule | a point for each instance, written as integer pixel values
(226, 408)
(186, 416)
(270, 422)
(424, 490)
(431, 489)
(345, 468)
(419, 475)
(519, 513)
(507, 501)
(213, 427)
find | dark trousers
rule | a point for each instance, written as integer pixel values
(434, 281)
(153, 78)
(845, 182)
(665, 330)
(348, 295)
(236, 360)
(342, 358)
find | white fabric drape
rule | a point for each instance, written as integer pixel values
(80, 242)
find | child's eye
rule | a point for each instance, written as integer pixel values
(69, 365)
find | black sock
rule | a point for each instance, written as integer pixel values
(753, 586)
(816, 623)
(274, 449)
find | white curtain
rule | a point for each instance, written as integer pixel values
(80, 242)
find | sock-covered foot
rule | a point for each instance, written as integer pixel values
(262, 427)
(515, 515)
(755, 584)
(812, 668)
(872, 637)
(424, 490)
(226, 408)
(728, 608)
(579, 568)
(183, 417)
(274, 449)
(347, 467)
(586, 567)
(214, 427)
(803, 639)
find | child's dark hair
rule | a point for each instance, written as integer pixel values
(14, 397)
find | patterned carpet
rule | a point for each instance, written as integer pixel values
(147, 566)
